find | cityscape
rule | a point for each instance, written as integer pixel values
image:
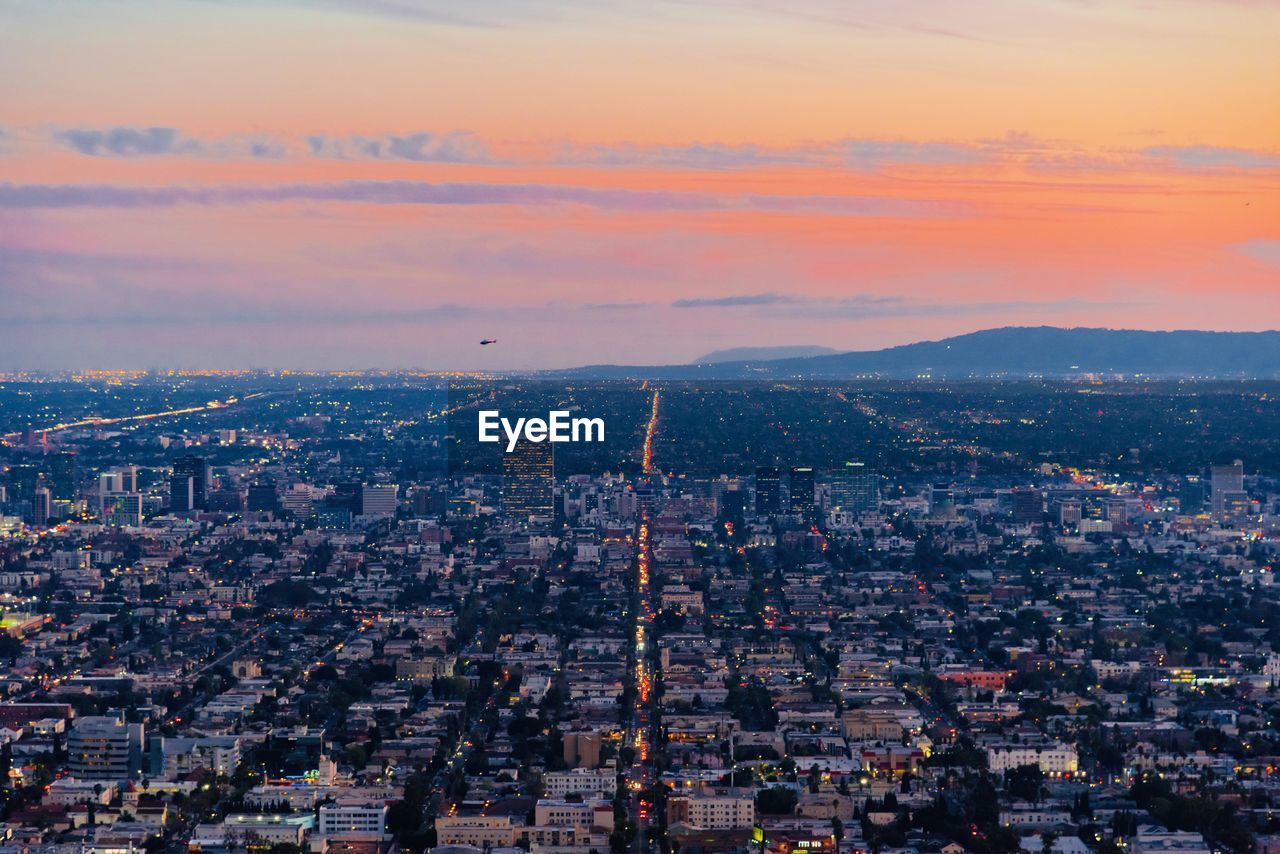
(282, 612)
(639, 427)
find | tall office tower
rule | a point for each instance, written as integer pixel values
(103, 747)
(128, 478)
(1117, 511)
(262, 498)
(942, 500)
(23, 480)
(225, 500)
(1070, 511)
(379, 500)
(428, 502)
(1191, 494)
(768, 491)
(855, 488)
(347, 494)
(42, 506)
(109, 481)
(801, 496)
(62, 475)
(1028, 506)
(1226, 484)
(122, 509)
(189, 484)
(529, 480)
(299, 501)
(730, 504)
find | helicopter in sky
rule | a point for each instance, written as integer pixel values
(488, 341)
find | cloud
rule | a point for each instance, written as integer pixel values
(61, 196)
(871, 153)
(1262, 249)
(616, 306)
(1214, 157)
(423, 147)
(124, 141)
(698, 155)
(857, 154)
(1015, 148)
(866, 306)
(734, 301)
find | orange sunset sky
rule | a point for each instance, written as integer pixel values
(381, 183)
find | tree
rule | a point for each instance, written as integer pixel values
(777, 800)
(1025, 782)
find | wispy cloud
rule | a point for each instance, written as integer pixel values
(850, 154)
(165, 141)
(867, 306)
(1214, 157)
(36, 196)
(736, 300)
(1262, 249)
(423, 147)
(873, 153)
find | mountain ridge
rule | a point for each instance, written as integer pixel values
(762, 354)
(1010, 351)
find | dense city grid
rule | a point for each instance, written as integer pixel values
(286, 612)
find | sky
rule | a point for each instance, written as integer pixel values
(382, 183)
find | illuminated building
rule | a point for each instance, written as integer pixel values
(104, 748)
(122, 509)
(62, 474)
(528, 480)
(1028, 506)
(855, 488)
(379, 500)
(188, 485)
(42, 506)
(1226, 484)
(802, 490)
(768, 491)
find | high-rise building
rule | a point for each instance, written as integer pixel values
(528, 480)
(768, 491)
(189, 484)
(347, 494)
(262, 498)
(122, 509)
(1117, 512)
(1028, 506)
(729, 504)
(381, 500)
(1226, 485)
(942, 500)
(104, 747)
(63, 479)
(298, 501)
(23, 480)
(225, 500)
(333, 514)
(1191, 494)
(855, 488)
(802, 496)
(42, 506)
(1070, 511)
(109, 481)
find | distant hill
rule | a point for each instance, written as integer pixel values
(760, 354)
(1015, 351)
